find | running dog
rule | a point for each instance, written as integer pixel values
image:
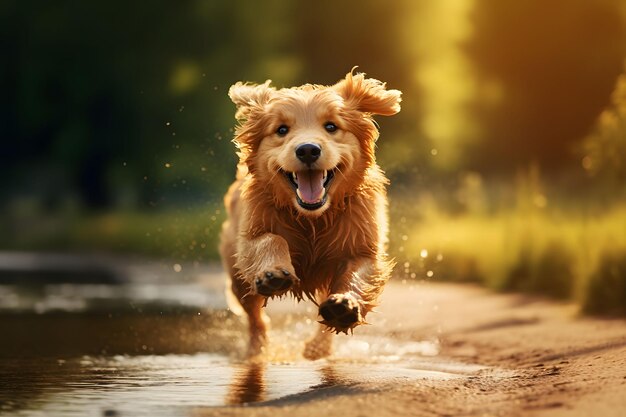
(307, 213)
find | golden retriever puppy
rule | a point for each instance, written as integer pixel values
(307, 213)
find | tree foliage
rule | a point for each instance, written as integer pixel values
(115, 106)
(605, 147)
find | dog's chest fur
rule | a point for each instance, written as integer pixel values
(320, 248)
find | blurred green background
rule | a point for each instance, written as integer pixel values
(508, 160)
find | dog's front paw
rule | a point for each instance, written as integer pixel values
(341, 312)
(274, 282)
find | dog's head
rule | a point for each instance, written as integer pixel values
(310, 145)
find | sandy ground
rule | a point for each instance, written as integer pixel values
(538, 358)
(433, 349)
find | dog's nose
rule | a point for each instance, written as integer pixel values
(308, 152)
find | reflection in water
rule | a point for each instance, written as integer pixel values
(129, 385)
(248, 384)
(330, 377)
(171, 385)
(150, 385)
(128, 357)
(76, 364)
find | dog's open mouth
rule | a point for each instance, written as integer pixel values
(311, 186)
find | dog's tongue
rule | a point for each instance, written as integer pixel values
(311, 186)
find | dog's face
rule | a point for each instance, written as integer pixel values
(310, 146)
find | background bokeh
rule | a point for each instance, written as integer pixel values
(508, 160)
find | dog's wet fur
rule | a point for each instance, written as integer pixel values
(307, 213)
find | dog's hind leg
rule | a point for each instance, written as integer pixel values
(321, 344)
(257, 319)
(251, 304)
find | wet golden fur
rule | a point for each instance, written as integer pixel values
(335, 253)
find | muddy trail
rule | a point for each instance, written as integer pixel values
(160, 341)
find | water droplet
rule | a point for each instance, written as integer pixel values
(430, 274)
(178, 268)
(434, 152)
(424, 253)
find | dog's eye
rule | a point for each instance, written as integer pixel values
(282, 130)
(330, 127)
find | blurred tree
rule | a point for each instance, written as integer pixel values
(605, 147)
(127, 106)
(333, 37)
(336, 36)
(545, 70)
(130, 103)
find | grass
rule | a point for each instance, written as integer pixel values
(182, 234)
(606, 288)
(185, 235)
(563, 255)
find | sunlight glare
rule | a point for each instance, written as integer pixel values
(443, 75)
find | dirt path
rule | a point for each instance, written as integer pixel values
(538, 358)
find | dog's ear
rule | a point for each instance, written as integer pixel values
(368, 95)
(250, 96)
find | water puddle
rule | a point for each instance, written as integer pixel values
(44, 371)
(171, 385)
(145, 385)
(146, 347)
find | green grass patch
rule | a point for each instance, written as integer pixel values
(182, 234)
(606, 287)
(564, 255)
(185, 234)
